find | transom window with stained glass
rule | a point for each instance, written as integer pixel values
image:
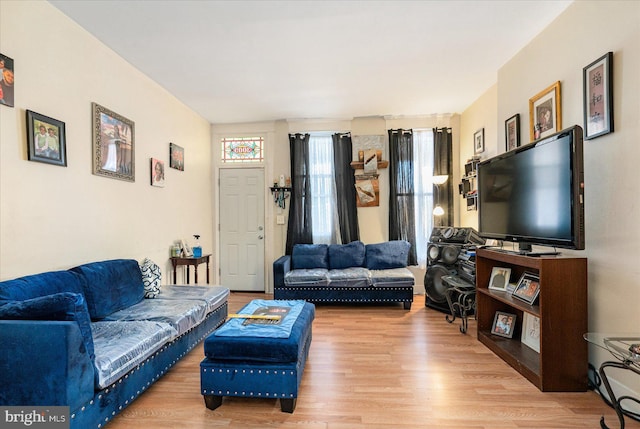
(242, 149)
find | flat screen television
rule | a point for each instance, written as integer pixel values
(534, 194)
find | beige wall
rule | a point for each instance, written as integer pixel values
(583, 33)
(54, 217)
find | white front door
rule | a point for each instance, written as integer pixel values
(242, 229)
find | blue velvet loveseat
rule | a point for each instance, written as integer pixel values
(91, 339)
(346, 273)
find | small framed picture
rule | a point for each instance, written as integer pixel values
(504, 324)
(113, 145)
(157, 173)
(598, 97)
(46, 139)
(478, 141)
(528, 288)
(545, 112)
(176, 157)
(6, 81)
(499, 278)
(531, 331)
(512, 132)
(186, 249)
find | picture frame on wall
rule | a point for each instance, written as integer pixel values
(528, 288)
(157, 173)
(512, 132)
(597, 80)
(530, 336)
(176, 156)
(46, 139)
(7, 80)
(545, 112)
(478, 141)
(113, 144)
(504, 324)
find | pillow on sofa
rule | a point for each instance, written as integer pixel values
(151, 278)
(306, 256)
(390, 254)
(64, 306)
(346, 255)
(36, 285)
(111, 285)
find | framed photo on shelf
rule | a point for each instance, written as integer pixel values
(499, 278)
(531, 331)
(46, 139)
(528, 288)
(597, 79)
(504, 324)
(113, 145)
(545, 112)
(478, 141)
(512, 132)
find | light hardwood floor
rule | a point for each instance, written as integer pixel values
(377, 367)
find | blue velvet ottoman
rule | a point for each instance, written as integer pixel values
(261, 360)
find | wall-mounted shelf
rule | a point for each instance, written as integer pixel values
(280, 194)
(359, 165)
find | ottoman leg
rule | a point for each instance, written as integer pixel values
(212, 401)
(288, 405)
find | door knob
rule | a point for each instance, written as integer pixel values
(260, 237)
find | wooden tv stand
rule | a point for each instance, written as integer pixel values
(562, 364)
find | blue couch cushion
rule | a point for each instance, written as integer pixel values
(390, 254)
(63, 306)
(42, 284)
(310, 256)
(262, 349)
(346, 255)
(111, 285)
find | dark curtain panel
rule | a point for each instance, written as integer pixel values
(443, 164)
(299, 227)
(345, 188)
(401, 192)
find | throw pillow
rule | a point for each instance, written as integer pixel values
(346, 255)
(65, 306)
(307, 256)
(390, 254)
(151, 278)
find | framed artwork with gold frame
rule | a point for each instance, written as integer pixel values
(545, 112)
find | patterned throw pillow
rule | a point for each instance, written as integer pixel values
(151, 278)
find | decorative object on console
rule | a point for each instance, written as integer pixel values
(7, 81)
(187, 252)
(504, 324)
(157, 173)
(545, 112)
(527, 288)
(478, 141)
(113, 144)
(598, 97)
(197, 249)
(46, 139)
(512, 132)
(176, 157)
(151, 278)
(499, 278)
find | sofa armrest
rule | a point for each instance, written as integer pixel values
(44, 363)
(281, 266)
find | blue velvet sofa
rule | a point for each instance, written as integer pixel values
(87, 337)
(346, 273)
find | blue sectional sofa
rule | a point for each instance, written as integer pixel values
(346, 273)
(87, 338)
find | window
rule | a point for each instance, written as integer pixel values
(423, 190)
(324, 214)
(242, 149)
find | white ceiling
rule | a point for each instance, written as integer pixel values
(250, 61)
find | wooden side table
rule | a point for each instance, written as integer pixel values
(189, 261)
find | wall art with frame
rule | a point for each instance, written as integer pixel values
(512, 132)
(545, 112)
(478, 141)
(176, 157)
(504, 324)
(46, 139)
(113, 144)
(7, 80)
(597, 80)
(157, 173)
